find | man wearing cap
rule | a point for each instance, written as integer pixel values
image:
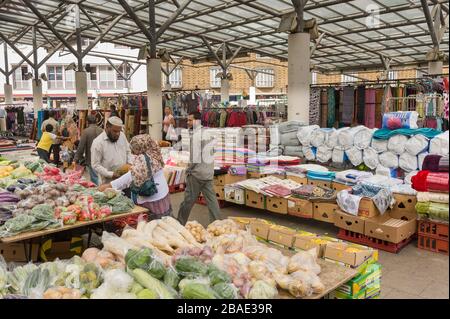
(110, 151)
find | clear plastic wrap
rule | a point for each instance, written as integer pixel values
(305, 261)
(397, 143)
(354, 155)
(389, 160)
(370, 158)
(408, 162)
(417, 144)
(305, 133)
(379, 145)
(262, 290)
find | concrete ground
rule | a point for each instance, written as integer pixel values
(411, 274)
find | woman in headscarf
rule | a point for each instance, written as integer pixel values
(69, 129)
(159, 203)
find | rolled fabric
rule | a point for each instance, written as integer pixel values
(332, 140)
(432, 197)
(417, 144)
(354, 155)
(408, 162)
(383, 171)
(419, 181)
(443, 164)
(440, 144)
(431, 163)
(320, 136)
(437, 182)
(309, 153)
(396, 120)
(346, 138)
(338, 155)
(379, 145)
(421, 158)
(396, 144)
(324, 154)
(409, 176)
(433, 210)
(274, 135)
(290, 126)
(293, 151)
(388, 159)
(289, 139)
(364, 138)
(304, 134)
(370, 158)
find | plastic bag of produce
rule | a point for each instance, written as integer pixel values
(217, 275)
(3, 277)
(262, 290)
(190, 266)
(171, 278)
(197, 290)
(146, 260)
(225, 291)
(304, 260)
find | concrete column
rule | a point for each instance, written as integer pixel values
(225, 91)
(154, 98)
(37, 96)
(81, 91)
(435, 67)
(8, 93)
(298, 77)
(252, 95)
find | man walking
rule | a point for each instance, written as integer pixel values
(56, 147)
(199, 173)
(84, 147)
(110, 151)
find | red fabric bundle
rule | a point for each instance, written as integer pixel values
(437, 182)
(419, 181)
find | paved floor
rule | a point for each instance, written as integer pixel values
(410, 274)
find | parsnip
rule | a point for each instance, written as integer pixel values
(171, 239)
(148, 230)
(183, 231)
(141, 226)
(160, 241)
(141, 242)
(172, 230)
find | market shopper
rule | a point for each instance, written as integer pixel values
(46, 142)
(83, 153)
(69, 129)
(144, 148)
(110, 151)
(167, 122)
(113, 110)
(56, 147)
(199, 173)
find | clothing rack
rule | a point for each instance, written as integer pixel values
(417, 103)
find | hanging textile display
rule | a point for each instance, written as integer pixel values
(323, 108)
(314, 106)
(379, 107)
(369, 109)
(348, 106)
(361, 104)
(331, 107)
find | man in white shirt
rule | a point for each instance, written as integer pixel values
(110, 150)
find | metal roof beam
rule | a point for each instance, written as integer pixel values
(172, 18)
(133, 16)
(429, 20)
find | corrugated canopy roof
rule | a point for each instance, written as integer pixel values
(352, 40)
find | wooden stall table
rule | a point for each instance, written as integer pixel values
(29, 236)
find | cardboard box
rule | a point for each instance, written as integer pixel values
(315, 182)
(232, 179)
(234, 194)
(220, 192)
(339, 186)
(260, 228)
(300, 207)
(255, 200)
(282, 235)
(219, 180)
(404, 203)
(325, 212)
(17, 253)
(50, 250)
(367, 208)
(300, 180)
(368, 279)
(277, 205)
(307, 241)
(349, 222)
(242, 222)
(388, 227)
(347, 253)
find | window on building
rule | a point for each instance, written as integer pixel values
(120, 80)
(93, 79)
(215, 82)
(349, 78)
(392, 75)
(107, 77)
(19, 81)
(266, 79)
(55, 77)
(69, 79)
(176, 78)
(314, 78)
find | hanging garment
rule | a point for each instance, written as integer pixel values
(323, 108)
(348, 105)
(369, 110)
(314, 106)
(379, 107)
(331, 109)
(361, 104)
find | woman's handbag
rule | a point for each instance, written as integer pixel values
(149, 187)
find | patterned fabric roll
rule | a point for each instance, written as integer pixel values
(331, 107)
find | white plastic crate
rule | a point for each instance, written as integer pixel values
(234, 194)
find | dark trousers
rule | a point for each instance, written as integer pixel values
(55, 149)
(194, 187)
(43, 154)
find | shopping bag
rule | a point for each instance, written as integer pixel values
(172, 134)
